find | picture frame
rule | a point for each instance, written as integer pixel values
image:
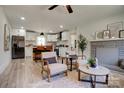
(98, 35)
(6, 37)
(115, 28)
(121, 34)
(106, 34)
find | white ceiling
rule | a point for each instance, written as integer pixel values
(39, 18)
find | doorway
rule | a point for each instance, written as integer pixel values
(18, 47)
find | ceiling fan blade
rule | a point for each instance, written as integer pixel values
(52, 7)
(69, 8)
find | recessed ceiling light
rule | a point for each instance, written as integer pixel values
(61, 26)
(22, 18)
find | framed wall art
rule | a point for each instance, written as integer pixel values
(115, 28)
(6, 37)
(98, 35)
(121, 34)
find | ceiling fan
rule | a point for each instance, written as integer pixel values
(68, 7)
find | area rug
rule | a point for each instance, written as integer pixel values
(116, 80)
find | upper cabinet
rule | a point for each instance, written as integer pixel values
(65, 36)
(61, 36)
(52, 37)
(31, 36)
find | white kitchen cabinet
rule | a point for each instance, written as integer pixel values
(65, 35)
(52, 38)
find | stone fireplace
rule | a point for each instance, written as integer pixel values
(108, 52)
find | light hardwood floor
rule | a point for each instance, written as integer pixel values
(22, 73)
(19, 73)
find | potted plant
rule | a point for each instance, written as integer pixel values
(82, 43)
(92, 62)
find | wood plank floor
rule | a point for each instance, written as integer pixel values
(20, 73)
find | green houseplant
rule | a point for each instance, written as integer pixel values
(92, 62)
(82, 43)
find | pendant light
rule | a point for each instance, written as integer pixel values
(41, 40)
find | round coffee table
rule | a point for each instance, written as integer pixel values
(93, 72)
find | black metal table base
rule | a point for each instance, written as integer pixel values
(66, 60)
(92, 80)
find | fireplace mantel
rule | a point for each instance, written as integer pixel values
(112, 39)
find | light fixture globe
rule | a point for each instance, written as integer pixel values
(41, 40)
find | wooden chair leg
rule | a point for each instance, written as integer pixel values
(41, 71)
(76, 66)
(48, 74)
(66, 73)
(79, 75)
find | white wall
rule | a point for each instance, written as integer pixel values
(96, 26)
(5, 56)
(18, 32)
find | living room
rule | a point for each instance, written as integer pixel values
(27, 31)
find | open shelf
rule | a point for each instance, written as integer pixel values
(111, 39)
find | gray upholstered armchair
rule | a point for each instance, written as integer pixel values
(51, 66)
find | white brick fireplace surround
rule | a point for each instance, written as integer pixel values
(108, 52)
